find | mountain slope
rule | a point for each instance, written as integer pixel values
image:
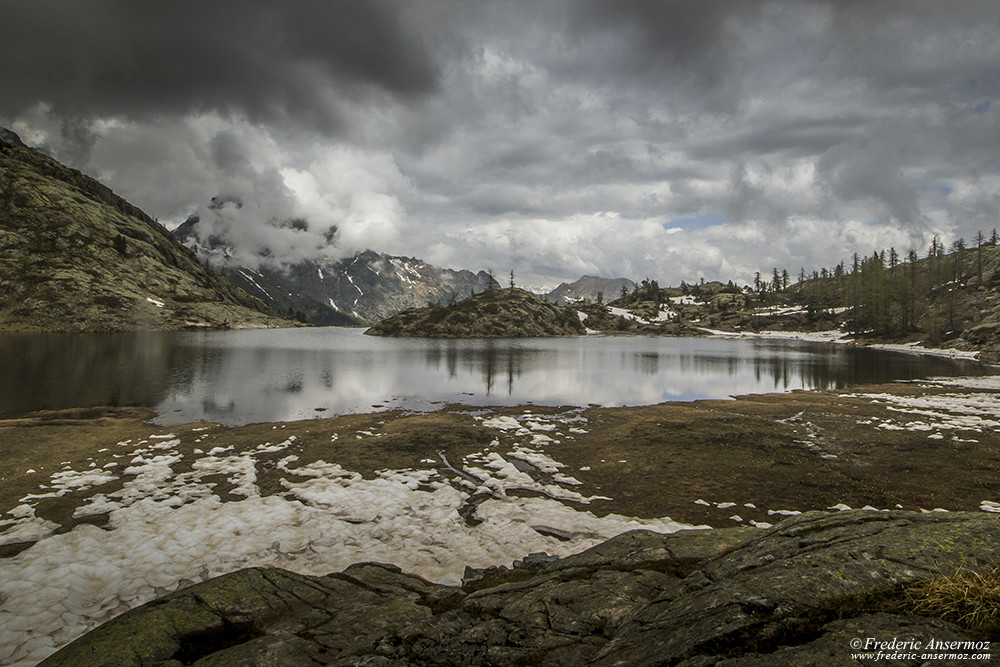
(947, 299)
(76, 257)
(367, 287)
(495, 313)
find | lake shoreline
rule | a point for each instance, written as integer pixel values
(813, 450)
(290, 374)
(144, 510)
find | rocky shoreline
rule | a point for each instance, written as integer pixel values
(812, 590)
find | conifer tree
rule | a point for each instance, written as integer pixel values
(979, 255)
(958, 250)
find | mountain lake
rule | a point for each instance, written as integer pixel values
(264, 375)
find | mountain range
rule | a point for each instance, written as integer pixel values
(366, 287)
(360, 289)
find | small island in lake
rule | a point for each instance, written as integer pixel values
(493, 313)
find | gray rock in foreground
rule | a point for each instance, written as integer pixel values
(795, 594)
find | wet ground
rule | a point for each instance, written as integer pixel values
(911, 445)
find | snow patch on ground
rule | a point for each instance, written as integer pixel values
(665, 315)
(25, 527)
(917, 348)
(830, 336)
(971, 411)
(503, 423)
(254, 282)
(168, 527)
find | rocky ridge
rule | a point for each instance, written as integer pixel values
(76, 257)
(798, 593)
(493, 313)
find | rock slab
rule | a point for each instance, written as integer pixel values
(794, 594)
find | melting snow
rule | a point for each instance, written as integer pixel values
(917, 348)
(831, 336)
(952, 411)
(503, 423)
(662, 316)
(169, 528)
(687, 300)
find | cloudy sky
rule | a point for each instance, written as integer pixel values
(673, 140)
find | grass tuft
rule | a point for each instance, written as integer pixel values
(967, 598)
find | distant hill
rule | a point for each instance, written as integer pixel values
(590, 288)
(946, 299)
(76, 257)
(496, 313)
(361, 289)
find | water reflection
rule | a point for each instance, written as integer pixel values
(246, 376)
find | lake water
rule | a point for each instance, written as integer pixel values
(238, 377)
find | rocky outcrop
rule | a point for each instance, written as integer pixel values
(494, 313)
(796, 594)
(11, 137)
(76, 257)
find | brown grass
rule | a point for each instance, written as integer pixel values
(967, 598)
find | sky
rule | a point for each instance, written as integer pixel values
(672, 140)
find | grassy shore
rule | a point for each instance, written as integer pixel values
(884, 446)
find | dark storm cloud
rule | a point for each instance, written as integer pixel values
(262, 59)
(477, 133)
(691, 34)
(228, 152)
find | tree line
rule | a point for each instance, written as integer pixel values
(888, 293)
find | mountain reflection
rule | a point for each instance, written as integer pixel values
(238, 377)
